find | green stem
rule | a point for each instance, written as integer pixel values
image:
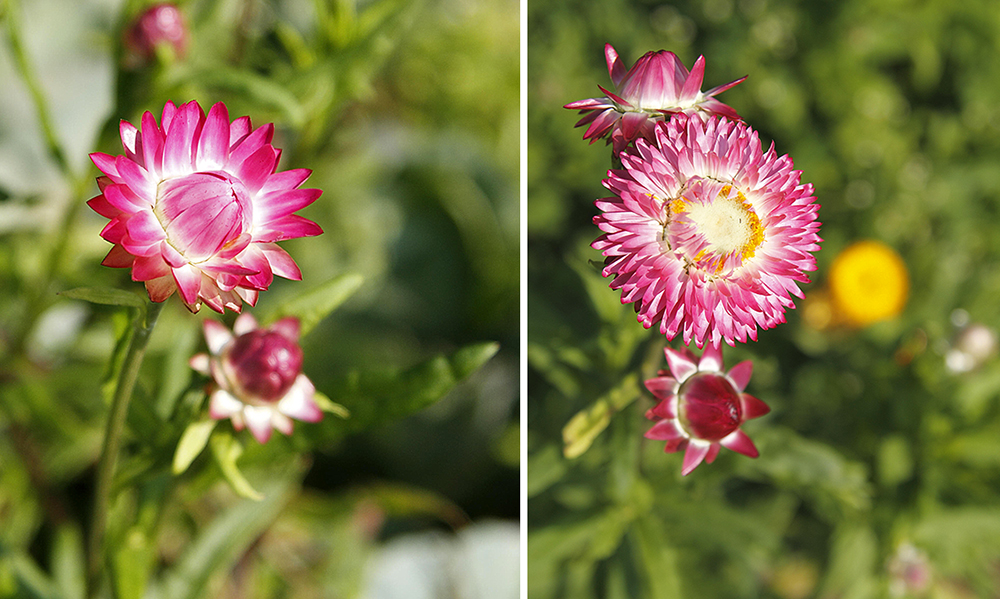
(142, 328)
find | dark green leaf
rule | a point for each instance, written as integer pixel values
(108, 296)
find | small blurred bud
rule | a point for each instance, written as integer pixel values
(909, 571)
(973, 345)
(159, 26)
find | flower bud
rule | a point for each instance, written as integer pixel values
(159, 25)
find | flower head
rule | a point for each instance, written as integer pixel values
(159, 25)
(707, 234)
(196, 207)
(257, 376)
(868, 283)
(657, 86)
(701, 408)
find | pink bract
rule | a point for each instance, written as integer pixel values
(700, 408)
(657, 86)
(196, 206)
(707, 234)
(257, 376)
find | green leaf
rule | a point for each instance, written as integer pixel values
(328, 405)
(227, 450)
(193, 440)
(313, 306)
(375, 397)
(133, 562)
(581, 430)
(221, 544)
(30, 578)
(68, 563)
(108, 296)
(657, 558)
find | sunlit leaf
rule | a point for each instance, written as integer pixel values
(192, 442)
(314, 305)
(227, 449)
(108, 296)
(69, 562)
(328, 405)
(581, 430)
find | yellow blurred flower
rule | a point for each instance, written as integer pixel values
(868, 282)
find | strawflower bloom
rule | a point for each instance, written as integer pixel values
(706, 233)
(868, 283)
(196, 207)
(701, 408)
(658, 85)
(257, 378)
(159, 25)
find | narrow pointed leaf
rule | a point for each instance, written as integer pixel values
(226, 450)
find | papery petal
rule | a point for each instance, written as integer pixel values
(222, 405)
(695, 453)
(739, 442)
(258, 420)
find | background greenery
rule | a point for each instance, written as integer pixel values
(407, 114)
(875, 454)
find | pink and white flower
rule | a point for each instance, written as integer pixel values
(160, 25)
(658, 85)
(196, 207)
(257, 376)
(701, 408)
(707, 234)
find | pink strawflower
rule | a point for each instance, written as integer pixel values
(158, 25)
(658, 85)
(257, 376)
(707, 234)
(701, 408)
(196, 207)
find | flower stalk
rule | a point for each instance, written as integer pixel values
(141, 331)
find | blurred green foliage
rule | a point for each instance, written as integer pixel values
(873, 446)
(408, 118)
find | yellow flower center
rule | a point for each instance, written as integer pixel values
(728, 223)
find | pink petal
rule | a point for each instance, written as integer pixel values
(739, 442)
(752, 407)
(178, 150)
(298, 402)
(281, 263)
(137, 179)
(143, 227)
(287, 227)
(129, 135)
(695, 453)
(282, 203)
(711, 358)
(223, 405)
(254, 171)
(289, 327)
(665, 430)
(244, 324)
(118, 257)
(188, 279)
(105, 163)
(692, 86)
(713, 451)
(216, 336)
(740, 374)
(213, 144)
(258, 421)
(281, 422)
(152, 144)
(616, 69)
(238, 130)
(122, 198)
(148, 268)
(160, 289)
(285, 180)
(242, 150)
(200, 363)
(681, 366)
(101, 206)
